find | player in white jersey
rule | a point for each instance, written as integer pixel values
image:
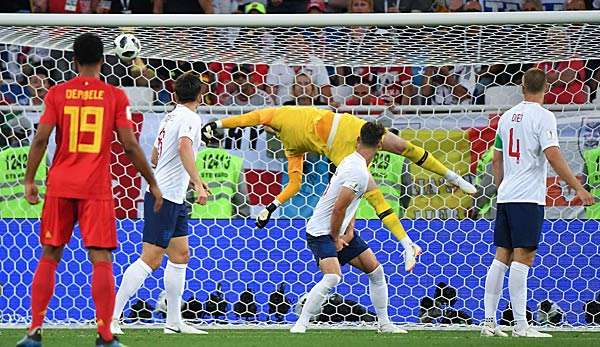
(331, 238)
(166, 232)
(526, 138)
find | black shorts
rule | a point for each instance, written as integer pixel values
(170, 222)
(324, 247)
(518, 225)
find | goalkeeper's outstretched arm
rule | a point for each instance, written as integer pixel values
(256, 117)
(292, 188)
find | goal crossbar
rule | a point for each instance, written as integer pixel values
(276, 20)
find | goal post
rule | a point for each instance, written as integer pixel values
(442, 80)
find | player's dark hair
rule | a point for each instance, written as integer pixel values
(88, 49)
(187, 87)
(534, 81)
(371, 134)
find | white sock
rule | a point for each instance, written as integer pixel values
(451, 175)
(174, 285)
(316, 296)
(378, 291)
(406, 242)
(517, 287)
(133, 278)
(493, 289)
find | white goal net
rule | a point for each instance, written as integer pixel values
(442, 86)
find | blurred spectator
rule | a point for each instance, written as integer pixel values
(449, 86)
(141, 73)
(38, 86)
(183, 6)
(316, 6)
(15, 130)
(282, 76)
(393, 6)
(575, 5)
(457, 6)
(378, 6)
(64, 6)
(304, 92)
(244, 92)
(395, 83)
(287, 6)
(567, 82)
(125, 6)
(228, 6)
(532, 5)
(360, 6)
(361, 95)
(450, 6)
(13, 93)
(471, 6)
(22, 6)
(255, 7)
(223, 73)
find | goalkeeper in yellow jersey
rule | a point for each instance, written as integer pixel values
(321, 131)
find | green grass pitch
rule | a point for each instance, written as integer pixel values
(314, 338)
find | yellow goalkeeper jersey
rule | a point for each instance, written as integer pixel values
(309, 129)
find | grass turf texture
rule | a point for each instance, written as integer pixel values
(314, 338)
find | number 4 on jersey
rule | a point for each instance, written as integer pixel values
(516, 153)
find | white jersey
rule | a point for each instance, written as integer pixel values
(352, 173)
(524, 132)
(170, 174)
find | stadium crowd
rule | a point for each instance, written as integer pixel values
(28, 72)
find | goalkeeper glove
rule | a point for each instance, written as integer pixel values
(208, 132)
(265, 215)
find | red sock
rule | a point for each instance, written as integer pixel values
(103, 293)
(42, 289)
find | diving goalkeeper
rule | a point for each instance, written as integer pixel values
(321, 131)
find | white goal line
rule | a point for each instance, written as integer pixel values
(323, 326)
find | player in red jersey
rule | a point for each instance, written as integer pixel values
(85, 111)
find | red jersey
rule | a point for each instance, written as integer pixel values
(85, 112)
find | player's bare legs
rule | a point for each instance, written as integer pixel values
(390, 219)
(378, 290)
(330, 267)
(103, 289)
(395, 144)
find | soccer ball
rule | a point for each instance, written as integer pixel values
(127, 47)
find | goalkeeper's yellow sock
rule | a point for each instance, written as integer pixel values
(388, 217)
(424, 159)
